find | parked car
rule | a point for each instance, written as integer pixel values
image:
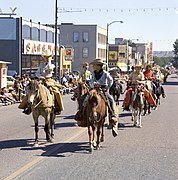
(11, 73)
(10, 81)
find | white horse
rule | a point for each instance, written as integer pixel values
(137, 106)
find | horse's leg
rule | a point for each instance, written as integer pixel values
(47, 127)
(134, 117)
(90, 138)
(139, 117)
(102, 133)
(98, 132)
(149, 109)
(93, 136)
(145, 107)
(52, 117)
(36, 130)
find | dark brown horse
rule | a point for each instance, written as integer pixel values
(95, 109)
(42, 103)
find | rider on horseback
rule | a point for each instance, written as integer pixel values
(153, 76)
(103, 79)
(44, 73)
(158, 79)
(136, 78)
(85, 76)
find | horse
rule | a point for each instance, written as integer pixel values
(137, 106)
(81, 89)
(116, 90)
(149, 86)
(158, 91)
(41, 101)
(95, 113)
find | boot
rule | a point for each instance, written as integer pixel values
(114, 129)
(126, 108)
(27, 111)
(163, 95)
(78, 116)
(73, 98)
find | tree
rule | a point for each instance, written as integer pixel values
(175, 61)
(162, 61)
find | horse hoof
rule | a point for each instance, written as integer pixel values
(94, 144)
(102, 139)
(90, 150)
(139, 126)
(98, 147)
(49, 140)
(35, 145)
(114, 133)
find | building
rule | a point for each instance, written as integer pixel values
(22, 43)
(124, 54)
(88, 42)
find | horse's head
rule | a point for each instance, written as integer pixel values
(32, 92)
(83, 88)
(138, 96)
(93, 102)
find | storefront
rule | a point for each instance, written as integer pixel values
(3, 73)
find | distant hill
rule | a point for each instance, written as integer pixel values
(163, 53)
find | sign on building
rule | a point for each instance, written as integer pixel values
(69, 53)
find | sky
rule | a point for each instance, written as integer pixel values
(146, 20)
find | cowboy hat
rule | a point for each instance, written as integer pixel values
(98, 61)
(85, 64)
(47, 53)
(138, 66)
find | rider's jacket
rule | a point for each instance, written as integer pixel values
(149, 75)
(45, 70)
(134, 77)
(103, 78)
(86, 76)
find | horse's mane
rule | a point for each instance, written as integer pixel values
(33, 85)
(44, 96)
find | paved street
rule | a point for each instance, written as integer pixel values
(147, 153)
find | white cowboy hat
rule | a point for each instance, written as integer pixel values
(47, 53)
(98, 61)
(138, 66)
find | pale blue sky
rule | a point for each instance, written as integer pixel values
(146, 20)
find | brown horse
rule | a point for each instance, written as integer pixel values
(81, 89)
(42, 103)
(95, 109)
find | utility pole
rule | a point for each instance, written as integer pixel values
(55, 54)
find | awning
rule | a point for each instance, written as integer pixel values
(122, 66)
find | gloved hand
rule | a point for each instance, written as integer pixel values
(96, 85)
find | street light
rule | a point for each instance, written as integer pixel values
(107, 43)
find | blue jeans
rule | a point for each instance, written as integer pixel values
(111, 100)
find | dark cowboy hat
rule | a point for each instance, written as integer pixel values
(148, 65)
(98, 61)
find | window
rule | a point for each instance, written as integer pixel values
(76, 36)
(85, 36)
(85, 52)
(76, 52)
